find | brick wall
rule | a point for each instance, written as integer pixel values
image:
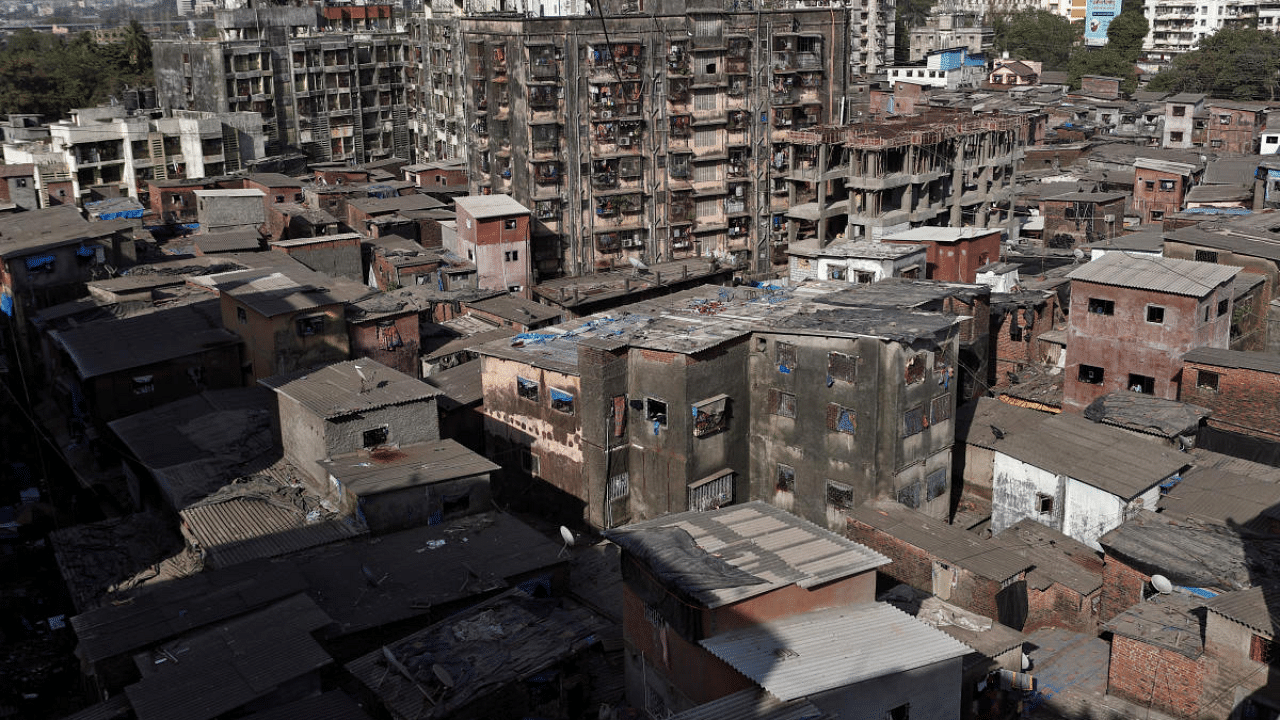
(1062, 607)
(1121, 588)
(1246, 401)
(1146, 674)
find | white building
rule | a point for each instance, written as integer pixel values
(1177, 26)
(950, 69)
(859, 262)
(1081, 478)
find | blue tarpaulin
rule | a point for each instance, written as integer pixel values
(6, 304)
(133, 214)
(83, 251)
(561, 396)
(37, 260)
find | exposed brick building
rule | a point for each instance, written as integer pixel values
(953, 254)
(1241, 388)
(957, 566)
(1064, 584)
(1159, 187)
(1233, 127)
(1132, 319)
(1018, 319)
(1157, 656)
(493, 232)
(1076, 219)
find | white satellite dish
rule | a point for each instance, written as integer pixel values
(442, 675)
(1078, 253)
(1161, 584)
(567, 534)
(637, 263)
(360, 372)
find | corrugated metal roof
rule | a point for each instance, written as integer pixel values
(1161, 274)
(1256, 607)
(167, 334)
(1222, 357)
(1167, 621)
(338, 390)
(368, 473)
(822, 650)
(332, 705)
(948, 542)
(171, 609)
(1056, 557)
(1105, 457)
(224, 668)
(279, 294)
(244, 529)
(1229, 498)
(754, 704)
(461, 385)
(229, 241)
(768, 543)
(115, 708)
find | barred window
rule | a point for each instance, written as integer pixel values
(527, 389)
(711, 493)
(910, 495)
(839, 495)
(841, 367)
(841, 419)
(706, 138)
(711, 416)
(913, 422)
(935, 484)
(915, 369)
(940, 409)
(786, 355)
(786, 481)
(782, 404)
(619, 486)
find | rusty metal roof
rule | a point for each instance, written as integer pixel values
(1160, 274)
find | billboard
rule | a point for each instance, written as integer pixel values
(1098, 15)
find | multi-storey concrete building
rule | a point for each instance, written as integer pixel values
(873, 178)
(329, 80)
(113, 152)
(1177, 26)
(436, 121)
(650, 135)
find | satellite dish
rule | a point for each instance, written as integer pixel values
(1078, 253)
(1026, 662)
(360, 372)
(567, 534)
(1161, 584)
(637, 263)
(442, 675)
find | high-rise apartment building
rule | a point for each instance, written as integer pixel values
(648, 130)
(329, 80)
(436, 120)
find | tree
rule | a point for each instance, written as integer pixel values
(49, 75)
(1233, 63)
(137, 46)
(909, 13)
(1119, 56)
(1034, 34)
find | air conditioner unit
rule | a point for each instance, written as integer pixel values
(624, 142)
(606, 114)
(1108, 218)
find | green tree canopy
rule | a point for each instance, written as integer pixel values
(1118, 58)
(1035, 34)
(48, 74)
(1233, 63)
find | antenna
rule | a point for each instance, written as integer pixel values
(567, 534)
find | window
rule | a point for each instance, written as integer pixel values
(310, 326)
(835, 272)
(143, 384)
(1044, 504)
(242, 316)
(529, 462)
(902, 712)
(913, 422)
(1167, 185)
(786, 356)
(1155, 314)
(279, 198)
(374, 437)
(711, 493)
(935, 484)
(509, 224)
(22, 182)
(1150, 185)
(1207, 380)
(1262, 650)
(841, 419)
(1223, 305)
(514, 288)
(655, 411)
(909, 495)
(940, 409)
(561, 401)
(841, 367)
(1175, 136)
(1098, 306)
(786, 481)
(527, 389)
(1157, 215)
(511, 255)
(711, 416)
(839, 495)
(782, 404)
(915, 369)
(1141, 384)
(1090, 374)
(1179, 110)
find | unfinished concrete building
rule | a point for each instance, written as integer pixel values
(871, 178)
(328, 80)
(648, 135)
